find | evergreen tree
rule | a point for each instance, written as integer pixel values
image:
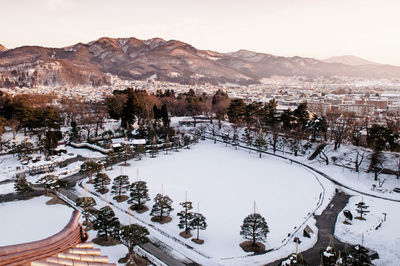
(128, 111)
(317, 126)
(254, 228)
(236, 111)
(139, 195)
(106, 223)
(301, 116)
(270, 113)
(164, 116)
(100, 183)
(235, 138)
(362, 209)
(260, 142)
(247, 137)
(120, 186)
(133, 235)
(287, 119)
(86, 203)
(50, 142)
(74, 131)
(185, 216)
(140, 149)
(198, 222)
(162, 207)
(90, 166)
(21, 186)
(127, 152)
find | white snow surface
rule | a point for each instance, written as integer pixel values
(385, 240)
(225, 182)
(31, 220)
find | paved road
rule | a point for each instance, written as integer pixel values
(158, 253)
(326, 228)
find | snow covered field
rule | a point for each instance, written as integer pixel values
(385, 240)
(225, 182)
(31, 220)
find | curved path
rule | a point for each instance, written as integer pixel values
(326, 228)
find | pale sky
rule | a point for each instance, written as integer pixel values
(308, 28)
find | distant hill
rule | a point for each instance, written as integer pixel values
(2, 48)
(175, 61)
(350, 60)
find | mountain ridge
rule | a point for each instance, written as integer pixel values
(350, 60)
(170, 60)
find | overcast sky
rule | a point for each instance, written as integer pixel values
(309, 28)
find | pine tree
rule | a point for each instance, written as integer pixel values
(119, 187)
(254, 228)
(128, 111)
(100, 183)
(139, 195)
(127, 152)
(361, 209)
(21, 186)
(260, 142)
(140, 149)
(164, 116)
(106, 223)
(185, 216)
(133, 235)
(235, 138)
(86, 203)
(162, 207)
(198, 222)
(247, 137)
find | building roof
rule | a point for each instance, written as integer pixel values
(67, 247)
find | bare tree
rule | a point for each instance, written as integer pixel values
(339, 128)
(358, 160)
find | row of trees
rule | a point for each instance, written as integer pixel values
(301, 124)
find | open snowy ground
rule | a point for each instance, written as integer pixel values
(225, 182)
(31, 220)
(385, 240)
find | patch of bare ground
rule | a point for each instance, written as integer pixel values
(257, 248)
(137, 261)
(162, 220)
(121, 198)
(142, 210)
(184, 235)
(198, 241)
(106, 241)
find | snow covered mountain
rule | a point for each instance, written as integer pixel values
(175, 61)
